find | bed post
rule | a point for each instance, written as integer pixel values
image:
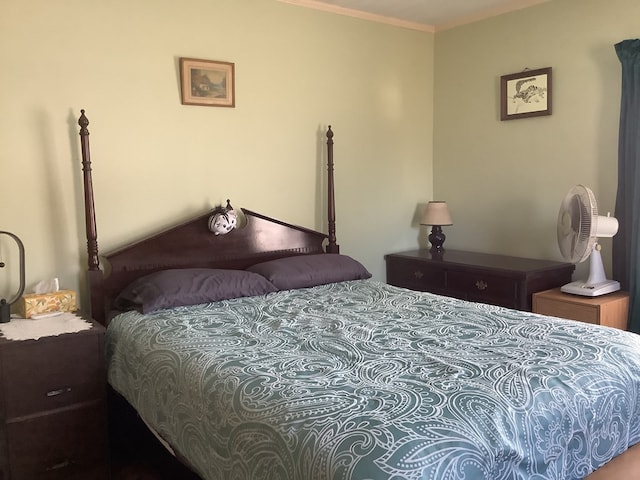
(94, 274)
(332, 247)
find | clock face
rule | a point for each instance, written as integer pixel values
(222, 223)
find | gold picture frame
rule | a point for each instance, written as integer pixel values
(525, 94)
(207, 82)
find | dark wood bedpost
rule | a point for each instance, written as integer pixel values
(332, 247)
(89, 208)
(94, 274)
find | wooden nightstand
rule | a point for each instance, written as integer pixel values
(52, 407)
(611, 309)
(479, 277)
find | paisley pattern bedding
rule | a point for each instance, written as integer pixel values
(362, 380)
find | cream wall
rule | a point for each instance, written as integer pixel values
(504, 181)
(298, 70)
(155, 160)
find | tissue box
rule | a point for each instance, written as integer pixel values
(34, 303)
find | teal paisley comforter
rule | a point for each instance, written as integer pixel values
(361, 380)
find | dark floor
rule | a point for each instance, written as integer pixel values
(136, 454)
(150, 471)
(159, 465)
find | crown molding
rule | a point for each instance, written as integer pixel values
(492, 12)
(326, 7)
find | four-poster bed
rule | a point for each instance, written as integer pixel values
(266, 354)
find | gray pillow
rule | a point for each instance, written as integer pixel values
(190, 286)
(309, 270)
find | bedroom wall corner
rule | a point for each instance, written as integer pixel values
(504, 180)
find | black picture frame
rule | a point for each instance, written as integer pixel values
(526, 94)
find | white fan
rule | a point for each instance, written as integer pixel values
(579, 227)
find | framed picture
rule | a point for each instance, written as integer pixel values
(525, 94)
(207, 82)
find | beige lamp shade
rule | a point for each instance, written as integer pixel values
(436, 213)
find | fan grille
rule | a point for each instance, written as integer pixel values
(577, 224)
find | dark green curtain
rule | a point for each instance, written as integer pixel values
(626, 243)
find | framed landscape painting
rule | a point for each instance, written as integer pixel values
(207, 82)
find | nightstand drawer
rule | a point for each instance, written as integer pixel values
(481, 287)
(66, 445)
(416, 276)
(46, 375)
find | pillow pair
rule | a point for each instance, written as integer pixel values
(191, 286)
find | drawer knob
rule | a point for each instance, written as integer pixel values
(418, 274)
(480, 285)
(59, 391)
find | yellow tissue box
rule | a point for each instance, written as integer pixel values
(35, 303)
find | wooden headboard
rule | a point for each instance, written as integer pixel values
(191, 244)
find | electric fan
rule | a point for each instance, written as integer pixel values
(579, 227)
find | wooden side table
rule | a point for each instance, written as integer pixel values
(611, 310)
(53, 419)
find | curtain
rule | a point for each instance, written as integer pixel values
(626, 243)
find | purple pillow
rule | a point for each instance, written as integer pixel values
(190, 286)
(309, 270)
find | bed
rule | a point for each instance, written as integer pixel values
(265, 353)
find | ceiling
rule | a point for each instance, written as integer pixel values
(427, 15)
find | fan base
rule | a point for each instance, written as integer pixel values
(591, 290)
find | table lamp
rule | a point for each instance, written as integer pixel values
(436, 214)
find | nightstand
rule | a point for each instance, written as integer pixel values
(53, 408)
(611, 309)
(479, 277)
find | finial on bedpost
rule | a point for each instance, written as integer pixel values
(83, 121)
(89, 209)
(332, 247)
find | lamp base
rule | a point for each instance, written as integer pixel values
(437, 238)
